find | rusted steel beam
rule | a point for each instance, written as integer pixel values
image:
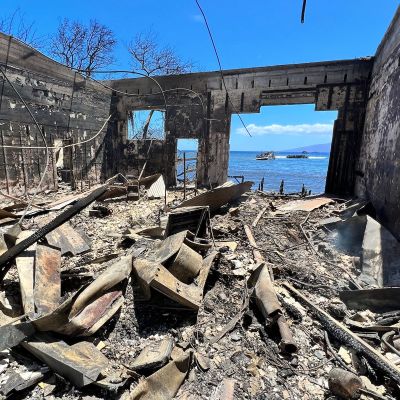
(47, 289)
(9, 256)
(266, 298)
(347, 337)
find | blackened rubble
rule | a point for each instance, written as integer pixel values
(227, 337)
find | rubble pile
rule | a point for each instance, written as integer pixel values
(229, 294)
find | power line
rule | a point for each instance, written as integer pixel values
(220, 66)
(60, 147)
(303, 11)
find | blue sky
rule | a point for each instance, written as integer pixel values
(247, 34)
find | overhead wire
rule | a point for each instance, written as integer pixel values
(220, 67)
(64, 146)
(44, 140)
(162, 91)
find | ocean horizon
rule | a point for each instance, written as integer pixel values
(295, 172)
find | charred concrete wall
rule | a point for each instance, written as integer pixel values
(68, 109)
(137, 152)
(197, 106)
(379, 163)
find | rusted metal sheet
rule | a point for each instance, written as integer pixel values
(105, 281)
(82, 324)
(219, 196)
(186, 264)
(376, 300)
(187, 295)
(153, 356)
(168, 247)
(165, 383)
(81, 363)
(305, 205)
(151, 274)
(47, 289)
(146, 181)
(26, 273)
(67, 239)
(114, 191)
(205, 269)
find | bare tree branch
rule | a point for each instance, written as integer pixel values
(16, 25)
(152, 59)
(86, 48)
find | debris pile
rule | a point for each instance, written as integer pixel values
(129, 292)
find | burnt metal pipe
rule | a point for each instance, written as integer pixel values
(266, 298)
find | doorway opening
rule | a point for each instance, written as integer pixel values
(146, 124)
(186, 163)
(300, 140)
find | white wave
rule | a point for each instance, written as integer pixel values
(310, 157)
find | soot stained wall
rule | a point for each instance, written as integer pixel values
(379, 163)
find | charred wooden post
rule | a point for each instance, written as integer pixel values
(346, 336)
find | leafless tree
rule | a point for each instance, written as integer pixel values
(84, 47)
(16, 25)
(151, 59)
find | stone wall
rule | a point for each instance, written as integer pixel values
(378, 170)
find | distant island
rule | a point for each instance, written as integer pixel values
(314, 148)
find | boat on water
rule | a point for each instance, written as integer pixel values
(268, 155)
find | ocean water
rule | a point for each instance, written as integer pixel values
(295, 172)
(310, 171)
